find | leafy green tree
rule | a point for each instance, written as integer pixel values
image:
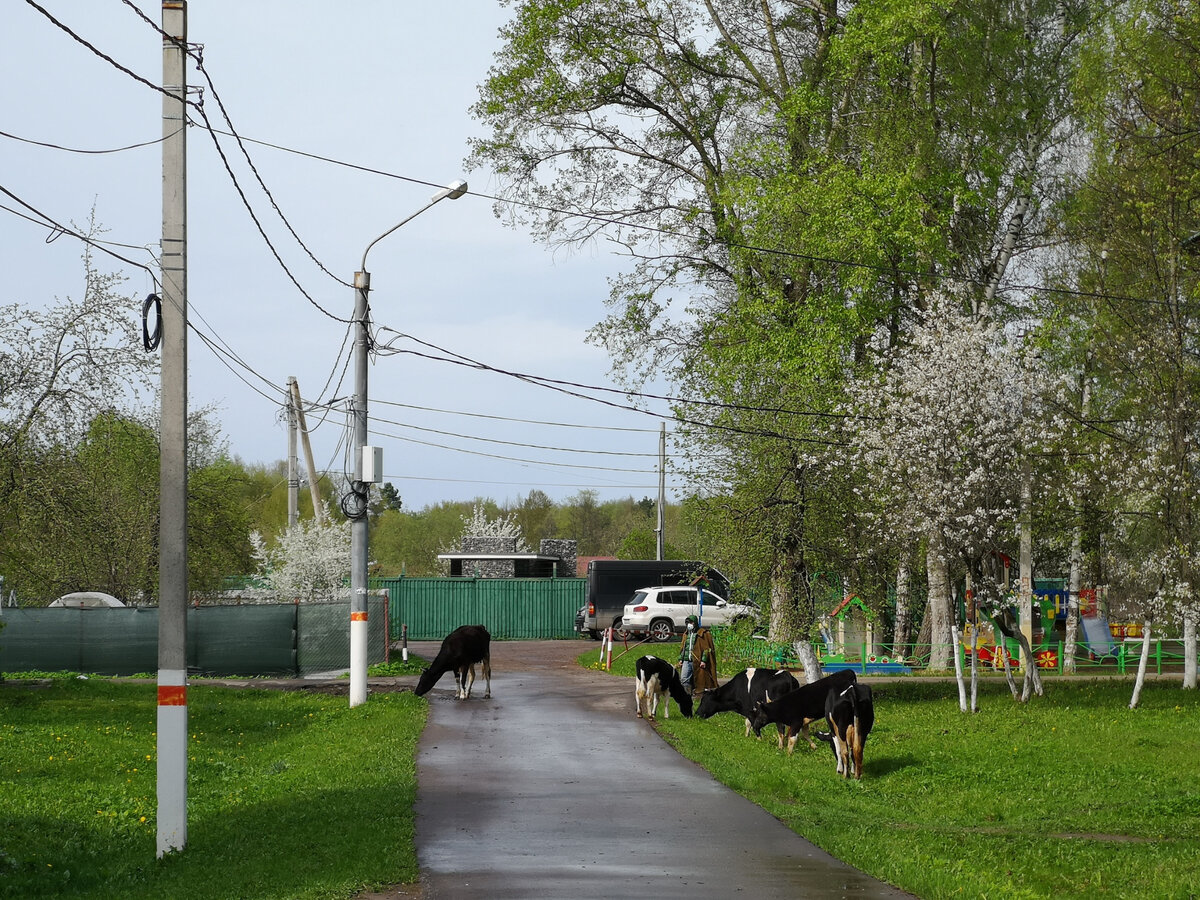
(1134, 219)
(794, 172)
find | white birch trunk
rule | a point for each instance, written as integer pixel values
(958, 670)
(903, 616)
(941, 645)
(1141, 672)
(1072, 635)
(1189, 651)
(808, 659)
(1008, 675)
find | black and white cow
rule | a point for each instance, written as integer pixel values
(850, 714)
(744, 691)
(655, 678)
(461, 650)
(796, 709)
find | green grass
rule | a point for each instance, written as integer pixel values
(290, 794)
(1071, 795)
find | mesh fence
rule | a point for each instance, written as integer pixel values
(281, 639)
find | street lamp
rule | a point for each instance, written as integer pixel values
(359, 492)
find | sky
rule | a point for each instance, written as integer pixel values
(368, 85)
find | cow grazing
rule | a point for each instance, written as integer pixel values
(850, 714)
(655, 678)
(744, 691)
(461, 650)
(796, 709)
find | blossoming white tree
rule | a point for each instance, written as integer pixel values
(308, 561)
(943, 428)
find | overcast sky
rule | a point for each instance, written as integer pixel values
(379, 85)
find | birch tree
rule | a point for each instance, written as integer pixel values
(942, 431)
(1135, 212)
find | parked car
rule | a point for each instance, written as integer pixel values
(661, 612)
(581, 619)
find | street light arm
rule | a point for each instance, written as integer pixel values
(453, 192)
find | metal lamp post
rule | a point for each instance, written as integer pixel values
(358, 412)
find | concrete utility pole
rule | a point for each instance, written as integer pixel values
(173, 453)
(293, 464)
(662, 486)
(358, 416)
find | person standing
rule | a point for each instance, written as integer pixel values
(697, 658)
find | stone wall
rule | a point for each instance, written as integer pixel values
(566, 551)
(489, 568)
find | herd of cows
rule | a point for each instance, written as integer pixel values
(760, 696)
(763, 698)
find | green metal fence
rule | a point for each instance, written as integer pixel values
(511, 608)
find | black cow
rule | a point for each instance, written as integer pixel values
(462, 648)
(796, 709)
(744, 691)
(655, 678)
(850, 714)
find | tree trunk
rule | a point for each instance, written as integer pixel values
(1189, 652)
(1076, 548)
(808, 659)
(900, 634)
(925, 632)
(958, 670)
(941, 646)
(1141, 672)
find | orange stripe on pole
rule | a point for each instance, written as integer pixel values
(172, 695)
(358, 617)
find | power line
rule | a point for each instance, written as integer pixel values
(472, 437)
(454, 412)
(535, 462)
(108, 59)
(52, 146)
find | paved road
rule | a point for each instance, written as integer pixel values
(525, 796)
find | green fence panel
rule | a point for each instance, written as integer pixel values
(98, 641)
(324, 634)
(258, 639)
(511, 608)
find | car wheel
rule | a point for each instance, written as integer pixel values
(662, 630)
(619, 631)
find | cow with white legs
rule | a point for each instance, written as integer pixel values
(656, 678)
(462, 649)
(744, 691)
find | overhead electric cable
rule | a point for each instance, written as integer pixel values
(472, 437)
(104, 56)
(51, 146)
(454, 412)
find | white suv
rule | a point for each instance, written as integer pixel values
(660, 612)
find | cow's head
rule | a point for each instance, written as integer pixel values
(758, 718)
(708, 705)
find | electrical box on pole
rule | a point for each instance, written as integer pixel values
(372, 465)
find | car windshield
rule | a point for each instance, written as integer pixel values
(639, 597)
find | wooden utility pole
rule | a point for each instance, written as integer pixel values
(313, 487)
(293, 468)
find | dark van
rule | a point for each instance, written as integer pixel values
(611, 583)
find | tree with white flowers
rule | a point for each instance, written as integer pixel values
(942, 430)
(308, 561)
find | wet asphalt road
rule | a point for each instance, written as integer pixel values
(526, 795)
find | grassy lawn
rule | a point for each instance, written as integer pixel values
(1073, 795)
(290, 794)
